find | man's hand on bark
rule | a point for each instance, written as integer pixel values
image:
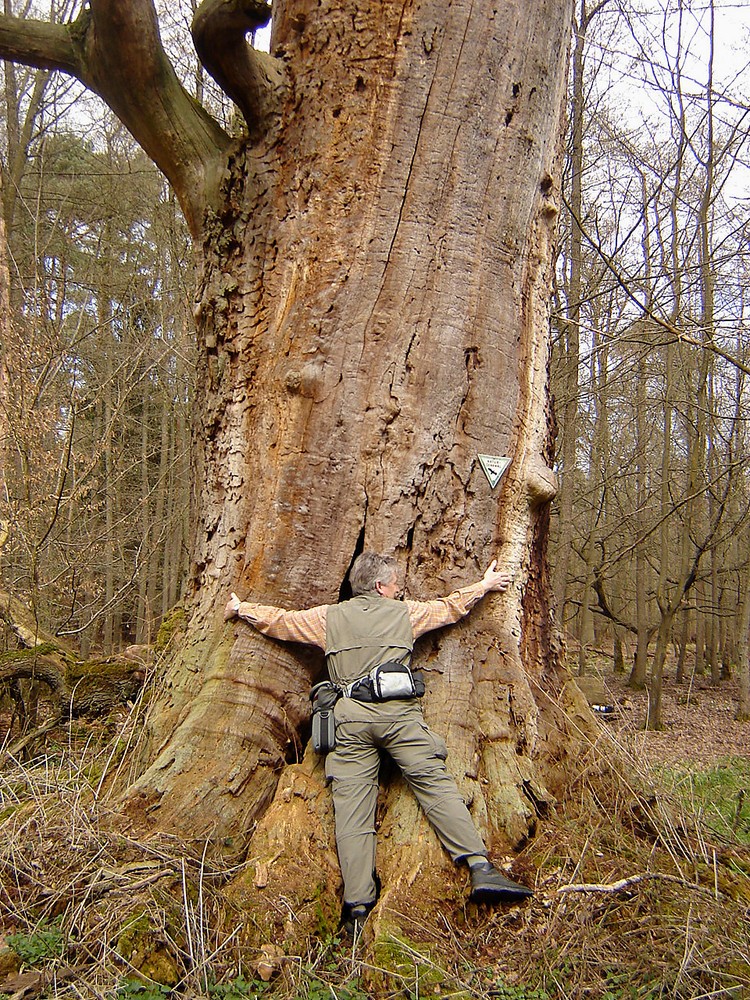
(233, 606)
(495, 579)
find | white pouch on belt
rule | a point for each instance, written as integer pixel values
(395, 680)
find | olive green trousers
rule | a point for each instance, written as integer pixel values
(398, 727)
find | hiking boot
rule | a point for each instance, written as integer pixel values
(488, 885)
(353, 918)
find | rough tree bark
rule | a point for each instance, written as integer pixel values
(374, 262)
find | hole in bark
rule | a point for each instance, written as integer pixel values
(516, 89)
(295, 749)
(541, 806)
(546, 184)
(359, 86)
(409, 539)
(345, 590)
(508, 118)
(336, 112)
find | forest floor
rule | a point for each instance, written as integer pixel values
(699, 725)
(635, 897)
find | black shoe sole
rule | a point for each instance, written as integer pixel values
(499, 895)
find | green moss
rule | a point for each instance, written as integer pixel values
(15, 656)
(174, 621)
(131, 935)
(98, 669)
(409, 963)
(142, 946)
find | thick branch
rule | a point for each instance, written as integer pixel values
(37, 43)
(252, 79)
(115, 50)
(22, 622)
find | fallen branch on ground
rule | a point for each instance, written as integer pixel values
(632, 880)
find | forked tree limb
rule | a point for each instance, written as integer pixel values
(76, 688)
(115, 50)
(40, 44)
(252, 79)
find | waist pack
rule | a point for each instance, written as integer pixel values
(386, 682)
(323, 697)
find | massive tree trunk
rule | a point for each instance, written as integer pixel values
(372, 315)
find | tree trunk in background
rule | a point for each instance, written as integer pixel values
(568, 411)
(699, 667)
(743, 654)
(639, 673)
(682, 642)
(5, 340)
(176, 526)
(158, 557)
(109, 636)
(148, 532)
(714, 636)
(598, 457)
(618, 655)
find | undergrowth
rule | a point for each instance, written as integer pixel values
(720, 795)
(642, 890)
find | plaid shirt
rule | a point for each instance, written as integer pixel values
(310, 626)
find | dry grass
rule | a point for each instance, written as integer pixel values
(634, 899)
(641, 901)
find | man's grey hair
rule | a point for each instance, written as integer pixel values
(370, 568)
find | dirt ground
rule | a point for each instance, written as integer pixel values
(699, 723)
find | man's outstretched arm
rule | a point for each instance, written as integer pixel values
(307, 626)
(428, 615)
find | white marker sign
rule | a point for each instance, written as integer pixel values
(494, 466)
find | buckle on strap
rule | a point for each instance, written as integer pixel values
(360, 690)
(324, 695)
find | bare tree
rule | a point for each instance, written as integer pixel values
(669, 479)
(88, 349)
